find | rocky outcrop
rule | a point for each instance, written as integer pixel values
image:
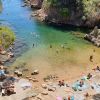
(94, 37)
(7, 38)
(73, 12)
(37, 4)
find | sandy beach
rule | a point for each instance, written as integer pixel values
(47, 62)
(29, 89)
(63, 73)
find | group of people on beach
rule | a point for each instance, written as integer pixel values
(80, 83)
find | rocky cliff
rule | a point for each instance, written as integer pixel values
(94, 37)
(74, 12)
(37, 4)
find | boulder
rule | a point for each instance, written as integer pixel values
(1, 62)
(32, 94)
(44, 86)
(4, 58)
(94, 37)
(44, 93)
(88, 37)
(10, 54)
(98, 37)
(3, 52)
(27, 76)
(30, 79)
(40, 97)
(36, 3)
(35, 72)
(34, 80)
(51, 89)
(50, 83)
(18, 73)
(95, 31)
(93, 40)
(98, 44)
(34, 14)
(25, 69)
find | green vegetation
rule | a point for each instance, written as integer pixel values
(52, 2)
(48, 3)
(90, 7)
(7, 36)
(64, 12)
(87, 11)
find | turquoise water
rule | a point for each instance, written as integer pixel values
(32, 31)
(29, 31)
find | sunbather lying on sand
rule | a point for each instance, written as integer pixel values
(61, 83)
(97, 68)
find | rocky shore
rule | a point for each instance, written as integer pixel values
(23, 83)
(43, 14)
(36, 4)
(7, 38)
(20, 86)
(5, 56)
(94, 36)
(77, 13)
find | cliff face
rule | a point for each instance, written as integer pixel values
(37, 4)
(63, 11)
(74, 12)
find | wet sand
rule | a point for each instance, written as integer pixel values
(68, 64)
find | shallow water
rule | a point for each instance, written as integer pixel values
(74, 55)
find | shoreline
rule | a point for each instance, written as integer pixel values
(54, 63)
(40, 90)
(39, 13)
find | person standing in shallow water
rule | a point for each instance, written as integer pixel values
(91, 58)
(50, 46)
(33, 44)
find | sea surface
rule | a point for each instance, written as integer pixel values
(45, 46)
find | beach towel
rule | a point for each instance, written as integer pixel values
(76, 86)
(59, 98)
(26, 85)
(72, 98)
(2, 72)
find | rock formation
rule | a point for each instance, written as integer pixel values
(73, 12)
(94, 37)
(37, 4)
